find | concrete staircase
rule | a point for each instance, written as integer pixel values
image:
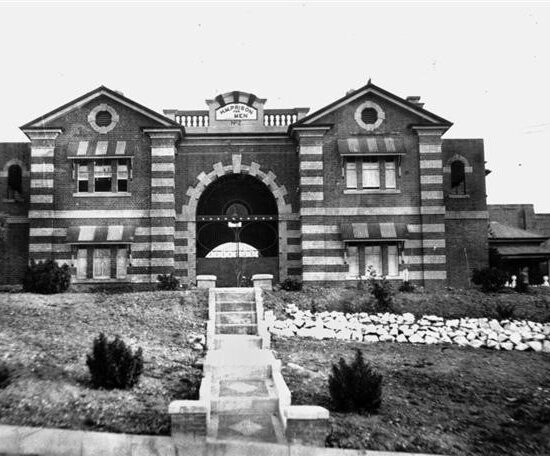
(243, 395)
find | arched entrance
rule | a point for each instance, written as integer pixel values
(237, 209)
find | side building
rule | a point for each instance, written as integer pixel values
(122, 193)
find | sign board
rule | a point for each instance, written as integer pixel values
(236, 111)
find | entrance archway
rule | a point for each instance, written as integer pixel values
(237, 208)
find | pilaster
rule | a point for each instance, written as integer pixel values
(312, 193)
(432, 205)
(162, 205)
(41, 193)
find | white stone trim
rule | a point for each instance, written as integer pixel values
(431, 164)
(431, 179)
(305, 165)
(323, 276)
(321, 244)
(427, 228)
(103, 107)
(162, 182)
(465, 215)
(162, 151)
(311, 150)
(162, 198)
(163, 167)
(44, 199)
(431, 195)
(316, 180)
(365, 105)
(424, 243)
(42, 152)
(311, 196)
(57, 232)
(427, 275)
(426, 259)
(42, 183)
(320, 229)
(323, 260)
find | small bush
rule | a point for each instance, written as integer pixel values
(167, 282)
(113, 365)
(356, 304)
(407, 287)
(47, 277)
(383, 293)
(505, 311)
(490, 279)
(4, 375)
(355, 387)
(291, 285)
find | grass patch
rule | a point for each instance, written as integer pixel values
(436, 399)
(44, 341)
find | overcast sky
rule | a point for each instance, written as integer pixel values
(485, 68)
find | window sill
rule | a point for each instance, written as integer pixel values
(374, 191)
(458, 196)
(102, 194)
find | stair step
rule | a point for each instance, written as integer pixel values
(236, 318)
(246, 294)
(258, 427)
(251, 329)
(238, 306)
(236, 342)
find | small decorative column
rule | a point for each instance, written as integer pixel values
(41, 207)
(163, 209)
(312, 198)
(432, 205)
(307, 425)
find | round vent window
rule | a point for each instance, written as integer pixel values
(369, 116)
(103, 118)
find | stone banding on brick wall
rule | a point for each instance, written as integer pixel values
(474, 332)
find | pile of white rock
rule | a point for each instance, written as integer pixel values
(430, 329)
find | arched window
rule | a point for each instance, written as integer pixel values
(15, 184)
(458, 178)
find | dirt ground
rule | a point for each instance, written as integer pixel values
(44, 341)
(436, 399)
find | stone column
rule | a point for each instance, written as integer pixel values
(307, 425)
(41, 205)
(432, 206)
(162, 209)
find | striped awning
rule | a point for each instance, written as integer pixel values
(371, 145)
(374, 232)
(98, 149)
(91, 234)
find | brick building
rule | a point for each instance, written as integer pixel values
(122, 193)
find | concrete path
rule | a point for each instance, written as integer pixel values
(19, 440)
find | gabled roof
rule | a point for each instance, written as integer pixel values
(498, 230)
(87, 97)
(371, 88)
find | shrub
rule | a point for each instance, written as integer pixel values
(490, 279)
(505, 311)
(47, 277)
(407, 287)
(356, 304)
(113, 365)
(382, 290)
(4, 375)
(167, 282)
(291, 285)
(355, 387)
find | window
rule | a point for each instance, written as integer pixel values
(122, 177)
(383, 259)
(107, 176)
(103, 175)
(102, 262)
(458, 178)
(15, 183)
(82, 177)
(371, 173)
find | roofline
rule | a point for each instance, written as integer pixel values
(385, 94)
(101, 90)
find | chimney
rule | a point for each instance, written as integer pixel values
(415, 99)
(120, 92)
(350, 91)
